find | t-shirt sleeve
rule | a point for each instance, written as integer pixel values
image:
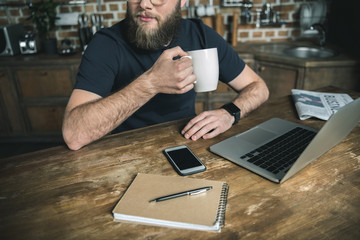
(230, 64)
(99, 65)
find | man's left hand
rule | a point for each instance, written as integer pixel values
(208, 124)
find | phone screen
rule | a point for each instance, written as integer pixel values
(183, 158)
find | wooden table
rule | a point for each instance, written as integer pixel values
(62, 194)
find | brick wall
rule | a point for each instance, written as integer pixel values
(289, 13)
(114, 11)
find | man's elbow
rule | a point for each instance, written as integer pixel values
(266, 93)
(73, 146)
(263, 89)
(70, 140)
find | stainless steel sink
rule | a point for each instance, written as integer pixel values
(310, 52)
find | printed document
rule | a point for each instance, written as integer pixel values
(318, 104)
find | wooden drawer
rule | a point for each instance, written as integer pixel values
(10, 114)
(34, 91)
(280, 79)
(45, 119)
(34, 83)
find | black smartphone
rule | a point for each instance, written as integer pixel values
(184, 160)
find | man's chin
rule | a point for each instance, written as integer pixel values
(149, 26)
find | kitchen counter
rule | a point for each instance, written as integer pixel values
(274, 52)
(39, 58)
(283, 72)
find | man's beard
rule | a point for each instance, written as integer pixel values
(155, 38)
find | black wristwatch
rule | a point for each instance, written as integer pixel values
(233, 110)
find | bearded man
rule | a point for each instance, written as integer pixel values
(132, 76)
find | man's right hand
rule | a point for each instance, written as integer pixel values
(170, 76)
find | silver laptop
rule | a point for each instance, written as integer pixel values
(277, 149)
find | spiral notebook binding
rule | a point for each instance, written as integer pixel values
(220, 217)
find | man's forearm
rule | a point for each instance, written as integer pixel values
(93, 120)
(251, 97)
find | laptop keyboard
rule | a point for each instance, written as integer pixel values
(282, 152)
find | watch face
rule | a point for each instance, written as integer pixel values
(232, 108)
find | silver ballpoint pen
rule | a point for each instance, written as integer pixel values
(180, 194)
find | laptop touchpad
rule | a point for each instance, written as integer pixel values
(257, 136)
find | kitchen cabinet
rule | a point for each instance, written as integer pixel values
(281, 78)
(10, 114)
(43, 94)
(345, 77)
(34, 93)
(283, 73)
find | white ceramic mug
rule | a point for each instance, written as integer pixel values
(206, 69)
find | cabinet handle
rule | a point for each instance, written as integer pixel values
(261, 68)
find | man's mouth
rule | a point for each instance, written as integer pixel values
(146, 17)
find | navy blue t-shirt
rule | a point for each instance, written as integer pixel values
(110, 63)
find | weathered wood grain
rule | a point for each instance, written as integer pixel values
(62, 194)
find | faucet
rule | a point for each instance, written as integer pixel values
(321, 30)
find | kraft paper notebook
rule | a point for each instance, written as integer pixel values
(204, 211)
